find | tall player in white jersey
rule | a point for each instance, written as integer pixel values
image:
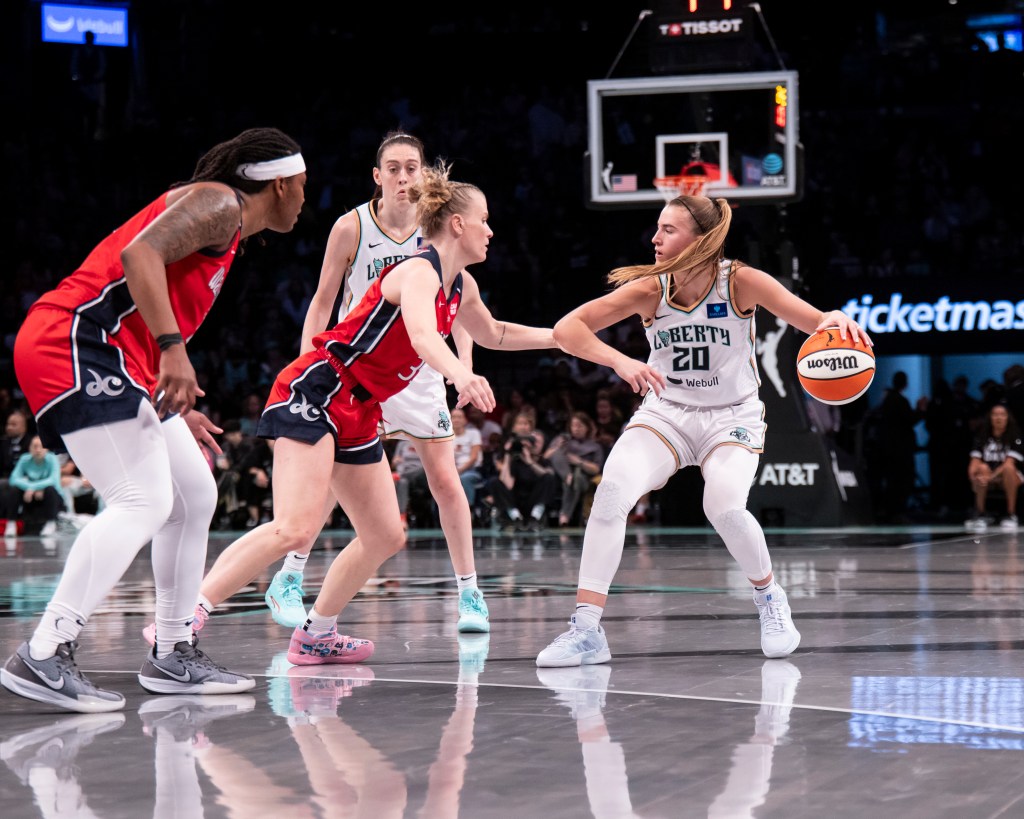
(701, 408)
(362, 243)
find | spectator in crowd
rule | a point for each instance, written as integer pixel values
(490, 430)
(252, 409)
(1013, 385)
(893, 466)
(524, 485)
(14, 444)
(34, 490)
(948, 417)
(243, 470)
(407, 467)
(468, 453)
(997, 458)
(608, 421)
(577, 458)
(74, 486)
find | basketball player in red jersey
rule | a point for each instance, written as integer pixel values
(324, 410)
(102, 362)
(363, 242)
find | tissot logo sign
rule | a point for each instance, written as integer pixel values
(68, 24)
(686, 29)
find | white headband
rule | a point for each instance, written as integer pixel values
(262, 171)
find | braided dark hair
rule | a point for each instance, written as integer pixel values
(253, 145)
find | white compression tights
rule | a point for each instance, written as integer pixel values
(640, 462)
(728, 473)
(156, 486)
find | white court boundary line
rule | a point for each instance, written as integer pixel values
(831, 709)
(1017, 729)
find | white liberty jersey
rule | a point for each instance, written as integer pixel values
(375, 250)
(705, 350)
(420, 411)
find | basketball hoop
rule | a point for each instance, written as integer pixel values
(682, 185)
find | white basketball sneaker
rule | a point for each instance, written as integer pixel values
(779, 637)
(576, 646)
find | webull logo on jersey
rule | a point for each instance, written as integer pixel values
(717, 310)
(692, 334)
(782, 474)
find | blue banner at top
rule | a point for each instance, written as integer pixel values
(67, 24)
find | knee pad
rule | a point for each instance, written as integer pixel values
(612, 500)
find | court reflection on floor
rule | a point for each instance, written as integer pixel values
(584, 689)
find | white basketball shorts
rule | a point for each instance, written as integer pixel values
(692, 433)
(420, 411)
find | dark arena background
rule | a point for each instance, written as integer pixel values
(873, 162)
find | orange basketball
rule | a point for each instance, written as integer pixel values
(834, 370)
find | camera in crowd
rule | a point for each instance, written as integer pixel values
(517, 442)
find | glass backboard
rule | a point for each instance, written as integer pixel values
(643, 129)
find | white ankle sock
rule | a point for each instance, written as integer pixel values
(59, 624)
(295, 563)
(317, 623)
(467, 581)
(170, 633)
(588, 615)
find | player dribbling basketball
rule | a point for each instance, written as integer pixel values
(701, 408)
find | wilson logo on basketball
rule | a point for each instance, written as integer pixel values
(834, 362)
(833, 369)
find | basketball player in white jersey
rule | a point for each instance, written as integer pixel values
(362, 243)
(701, 408)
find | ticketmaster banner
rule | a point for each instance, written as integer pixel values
(921, 318)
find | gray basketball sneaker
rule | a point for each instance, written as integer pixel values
(187, 670)
(56, 680)
(54, 747)
(183, 718)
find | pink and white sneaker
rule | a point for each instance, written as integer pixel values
(198, 621)
(329, 647)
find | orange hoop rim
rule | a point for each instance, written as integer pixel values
(684, 184)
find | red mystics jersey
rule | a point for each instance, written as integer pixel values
(372, 342)
(98, 291)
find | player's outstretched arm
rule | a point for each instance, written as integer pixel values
(488, 332)
(755, 287)
(576, 333)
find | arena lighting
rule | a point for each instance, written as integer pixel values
(942, 315)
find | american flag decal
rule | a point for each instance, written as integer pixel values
(623, 182)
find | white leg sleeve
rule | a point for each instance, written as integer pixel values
(179, 547)
(127, 462)
(639, 462)
(728, 473)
